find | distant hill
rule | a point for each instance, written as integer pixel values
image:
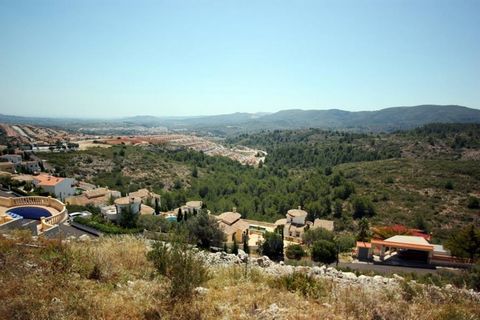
(389, 119)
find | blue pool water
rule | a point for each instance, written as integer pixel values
(30, 212)
(171, 219)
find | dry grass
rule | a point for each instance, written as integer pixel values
(51, 280)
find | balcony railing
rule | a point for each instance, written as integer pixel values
(47, 222)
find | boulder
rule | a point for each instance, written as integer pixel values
(349, 275)
(264, 262)
(397, 277)
(200, 291)
(84, 238)
(242, 256)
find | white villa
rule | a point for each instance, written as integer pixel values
(60, 187)
(233, 226)
(295, 224)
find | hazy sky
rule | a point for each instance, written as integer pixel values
(179, 57)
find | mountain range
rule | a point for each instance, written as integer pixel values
(387, 120)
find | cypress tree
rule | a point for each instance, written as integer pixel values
(179, 215)
(245, 244)
(235, 246)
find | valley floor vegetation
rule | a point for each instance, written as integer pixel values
(427, 178)
(125, 277)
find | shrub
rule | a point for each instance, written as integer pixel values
(363, 230)
(294, 251)
(327, 171)
(127, 218)
(465, 243)
(154, 223)
(409, 291)
(272, 247)
(303, 283)
(312, 235)
(362, 207)
(389, 180)
(178, 263)
(473, 203)
(345, 242)
(203, 229)
(105, 227)
(324, 251)
(449, 185)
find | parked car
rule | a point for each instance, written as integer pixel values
(73, 215)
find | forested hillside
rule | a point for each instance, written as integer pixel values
(425, 178)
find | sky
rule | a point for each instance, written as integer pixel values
(97, 58)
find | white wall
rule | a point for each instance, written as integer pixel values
(62, 189)
(299, 220)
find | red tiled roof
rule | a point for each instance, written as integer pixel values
(362, 244)
(48, 180)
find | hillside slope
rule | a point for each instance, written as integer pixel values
(383, 120)
(112, 279)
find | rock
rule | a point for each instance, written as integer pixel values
(317, 270)
(332, 272)
(302, 269)
(272, 312)
(281, 263)
(264, 262)
(84, 238)
(242, 256)
(56, 300)
(327, 305)
(201, 291)
(397, 277)
(363, 279)
(448, 287)
(273, 308)
(349, 275)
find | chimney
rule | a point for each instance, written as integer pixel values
(234, 209)
(299, 207)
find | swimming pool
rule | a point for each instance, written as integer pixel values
(171, 218)
(34, 213)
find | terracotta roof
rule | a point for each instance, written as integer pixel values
(362, 244)
(126, 200)
(147, 210)
(23, 177)
(141, 193)
(325, 224)
(232, 228)
(47, 180)
(229, 217)
(194, 204)
(297, 213)
(281, 222)
(95, 193)
(7, 165)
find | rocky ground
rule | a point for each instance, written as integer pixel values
(223, 259)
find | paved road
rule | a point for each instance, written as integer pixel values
(67, 230)
(385, 269)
